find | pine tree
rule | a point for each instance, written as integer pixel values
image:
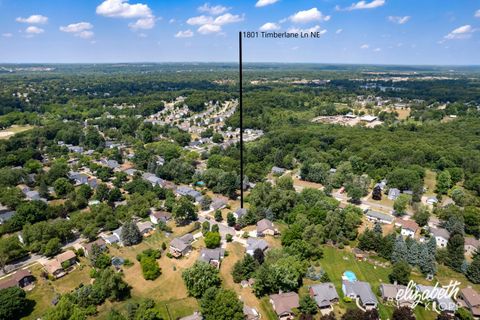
(377, 193)
(414, 254)
(455, 249)
(432, 246)
(400, 250)
(427, 263)
(473, 270)
(130, 234)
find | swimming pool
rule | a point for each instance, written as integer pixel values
(350, 276)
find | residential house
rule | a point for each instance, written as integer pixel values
(240, 212)
(250, 313)
(114, 237)
(212, 256)
(325, 295)
(57, 267)
(389, 293)
(87, 247)
(112, 164)
(472, 245)
(131, 172)
(254, 244)
(441, 236)
(21, 278)
(219, 203)
(5, 214)
(278, 171)
(408, 227)
(145, 227)
(160, 216)
(379, 216)
(265, 227)
(186, 191)
(362, 291)
(153, 179)
(284, 303)
(432, 200)
(78, 178)
(181, 246)
(393, 193)
(445, 304)
(470, 299)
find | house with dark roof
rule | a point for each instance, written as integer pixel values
(21, 278)
(219, 203)
(187, 191)
(212, 256)
(361, 291)
(5, 214)
(284, 304)
(444, 303)
(325, 295)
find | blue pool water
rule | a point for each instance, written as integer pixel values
(350, 276)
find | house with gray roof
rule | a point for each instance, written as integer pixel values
(153, 179)
(265, 227)
(187, 191)
(212, 256)
(379, 216)
(5, 214)
(441, 236)
(325, 295)
(278, 171)
(254, 244)
(181, 246)
(240, 212)
(444, 303)
(284, 304)
(219, 203)
(78, 178)
(361, 291)
(389, 293)
(393, 193)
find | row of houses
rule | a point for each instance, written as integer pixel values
(325, 295)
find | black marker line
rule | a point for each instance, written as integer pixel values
(240, 65)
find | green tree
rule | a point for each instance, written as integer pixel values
(13, 303)
(308, 305)
(212, 240)
(200, 277)
(473, 270)
(400, 204)
(130, 234)
(221, 304)
(455, 250)
(400, 273)
(444, 182)
(184, 211)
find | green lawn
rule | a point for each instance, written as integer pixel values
(336, 261)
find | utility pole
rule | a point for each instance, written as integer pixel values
(240, 66)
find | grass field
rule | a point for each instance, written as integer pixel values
(7, 133)
(335, 262)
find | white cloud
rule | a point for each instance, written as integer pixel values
(263, 3)
(172, 21)
(209, 28)
(200, 20)
(463, 32)
(477, 13)
(7, 35)
(213, 10)
(34, 30)
(377, 50)
(361, 5)
(227, 18)
(308, 16)
(184, 34)
(33, 19)
(364, 46)
(81, 29)
(143, 23)
(123, 9)
(316, 28)
(399, 20)
(339, 31)
(269, 26)
(210, 25)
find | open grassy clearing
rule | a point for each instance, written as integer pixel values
(9, 132)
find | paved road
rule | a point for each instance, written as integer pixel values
(33, 259)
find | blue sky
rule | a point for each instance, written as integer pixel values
(369, 31)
